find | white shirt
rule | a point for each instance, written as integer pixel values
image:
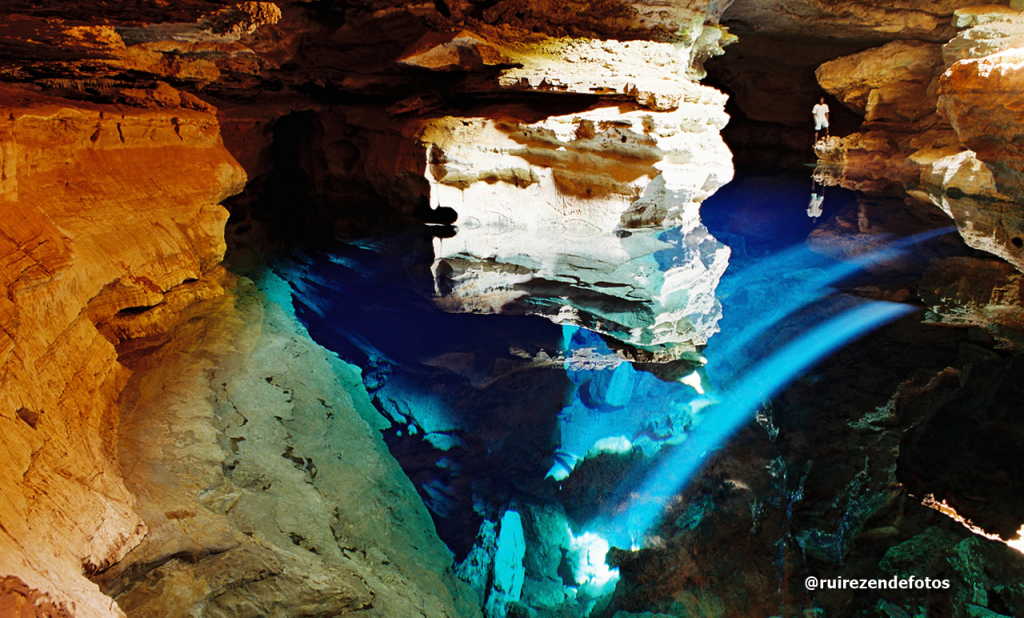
(820, 112)
(814, 208)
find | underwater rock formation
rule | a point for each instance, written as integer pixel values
(976, 292)
(260, 482)
(176, 444)
(113, 168)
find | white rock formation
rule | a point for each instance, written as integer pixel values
(562, 217)
(654, 74)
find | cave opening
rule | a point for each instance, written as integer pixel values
(772, 87)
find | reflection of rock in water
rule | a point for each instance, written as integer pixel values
(981, 422)
(872, 224)
(942, 125)
(812, 489)
(975, 291)
(654, 290)
(564, 218)
(434, 373)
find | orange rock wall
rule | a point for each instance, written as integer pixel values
(983, 98)
(102, 209)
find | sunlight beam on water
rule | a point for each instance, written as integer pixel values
(641, 507)
(614, 400)
(805, 293)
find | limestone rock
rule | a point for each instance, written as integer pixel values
(533, 200)
(651, 73)
(655, 20)
(655, 74)
(509, 573)
(982, 100)
(463, 51)
(968, 565)
(80, 231)
(987, 392)
(966, 158)
(891, 82)
(967, 190)
(976, 292)
(17, 600)
(848, 19)
(988, 29)
(263, 489)
(534, 196)
(653, 291)
(102, 57)
(593, 170)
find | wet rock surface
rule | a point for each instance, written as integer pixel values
(928, 130)
(822, 482)
(813, 491)
(261, 482)
(560, 153)
(101, 88)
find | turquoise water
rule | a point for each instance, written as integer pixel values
(493, 413)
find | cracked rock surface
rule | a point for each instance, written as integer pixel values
(263, 482)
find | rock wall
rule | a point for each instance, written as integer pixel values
(847, 19)
(557, 217)
(939, 125)
(769, 72)
(563, 149)
(259, 470)
(110, 184)
(84, 241)
(597, 139)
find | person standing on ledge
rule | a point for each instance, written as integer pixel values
(820, 113)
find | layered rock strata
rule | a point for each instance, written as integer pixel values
(96, 258)
(552, 218)
(847, 19)
(553, 176)
(114, 231)
(769, 73)
(609, 143)
(84, 242)
(819, 484)
(939, 125)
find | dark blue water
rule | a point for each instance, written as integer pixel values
(470, 417)
(765, 211)
(490, 410)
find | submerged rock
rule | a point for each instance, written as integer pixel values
(976, 292)
(262, 479)
(508, 574)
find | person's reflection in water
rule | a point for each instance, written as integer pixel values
(817, 198)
